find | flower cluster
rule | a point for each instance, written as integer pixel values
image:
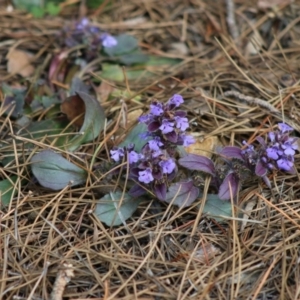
(85, 33)
(156, 165)
(167, 123)
(236, 165)
(277, 153)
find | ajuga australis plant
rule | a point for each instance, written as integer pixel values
(235, 164)
(155, 167)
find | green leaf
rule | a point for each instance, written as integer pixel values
(55, 172)
(135, 57)
(163, 62)
(115, 73)
(134, 137)
(37, 12)
(216, 208)
(52, 9)
(108, 210)
(94, 4)
(126, 43)
(7, 190)
(14, 100)
(50, 127)
(94, 120)
(149, 69)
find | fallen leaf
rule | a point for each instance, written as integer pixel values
(204, 147)
(206, 252)
(18, 62)
(264, 4)
(133, 116)
(104, 90)
(74, 108)
(93, 124)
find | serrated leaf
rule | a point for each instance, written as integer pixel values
(126, 43)
(7, 189)
(55, 172)
(185, 193)
(108, 210)
(93, 124)
(216, 208)
(134, 137)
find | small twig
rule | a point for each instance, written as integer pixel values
(231, 19)
(253, 101)
(62, 279)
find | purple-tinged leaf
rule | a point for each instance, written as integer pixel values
(267, 181)
(232, 152)
(229, 187)
(185, 193)
(261, 141)
(260, 169)
(153, 126)
(160, 190)
(136, 191)
(180, 113)
(198, 163)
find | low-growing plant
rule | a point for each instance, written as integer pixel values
(155, 168)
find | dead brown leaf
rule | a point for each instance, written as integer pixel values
(104, 90)
(74, 108)
(204, 147)
(265, 4)
(19, 62)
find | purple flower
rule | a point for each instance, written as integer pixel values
(289, 147)
(82, 23)
(155, 144)
(272, 136)
(284, 127)
(168, 166)
(182, 123)
(145, 135)
(176, 100)
(133, 157)
(156, 154)
(187, 140)
(166, 126)
(144, 119)
(285, 164)
(146, 176)
(117, 154)
(108, 40)
(273, 152)
(156, 109)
